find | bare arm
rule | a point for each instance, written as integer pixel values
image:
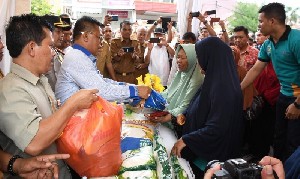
(253, 73)
(170, 34)
(51, 127)
(210, 30)
(149, 32)
(189, 23)
(225, 34)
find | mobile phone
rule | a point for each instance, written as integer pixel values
(114, 17)
(210, 12)
(164, 23)
(128, 49)
(195, 14)
(154, 40)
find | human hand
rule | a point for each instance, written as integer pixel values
(144, 91)
(177, 148)
(121, 52)
(292, 112)
(84, 98)
(190, 17)
(159, 20)
(201, 17)
(169, 26)
(107, 19)
(39, 167)
(271, 165)
(161, 119)
(222, 24)
(181, 119)
(163, 41)
(141, 66)
(210, 172)
(149, 46)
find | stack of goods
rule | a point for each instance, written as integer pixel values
(144, 154)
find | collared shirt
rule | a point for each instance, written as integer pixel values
(25, 100)
(79, 71)
(159, 63)
(285, 56)
(248, 57)
(126, 62)
(103, 58)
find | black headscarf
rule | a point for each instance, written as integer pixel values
(214, 122)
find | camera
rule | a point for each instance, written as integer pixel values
(236, 169)
(128, 49)
(154, 40)
(195, 14)
(114, 17)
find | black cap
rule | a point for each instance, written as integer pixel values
(57, 22)
(159, 31)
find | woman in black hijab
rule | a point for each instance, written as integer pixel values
(214, 123)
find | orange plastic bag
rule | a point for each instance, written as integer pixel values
(92, 137)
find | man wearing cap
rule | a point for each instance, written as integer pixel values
(124, 62)
(159, 55)
(57, 34)
(67, 31)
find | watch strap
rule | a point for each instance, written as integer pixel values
(10, 165)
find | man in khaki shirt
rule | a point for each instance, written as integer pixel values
(30, 121)
(104, 64)
(124, 62)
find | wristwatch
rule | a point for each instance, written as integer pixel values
(297, 105)
(205, 22)
(155, 23)
(11, 164)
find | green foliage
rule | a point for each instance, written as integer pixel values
(40, 7)
(245, 14)
(292, 15)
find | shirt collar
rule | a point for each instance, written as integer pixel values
(285, 35)
(24, 73)
(85, 51)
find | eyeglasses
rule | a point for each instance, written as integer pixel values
(99, 37)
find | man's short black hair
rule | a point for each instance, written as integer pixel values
(22, 29)
(84, 24)
(241, 28)
(189, 35)
(274, 10)
(124, 22)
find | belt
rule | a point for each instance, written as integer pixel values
(124, 74)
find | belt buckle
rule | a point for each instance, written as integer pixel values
(123, 74)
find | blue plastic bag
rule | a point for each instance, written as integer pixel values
(155, 101)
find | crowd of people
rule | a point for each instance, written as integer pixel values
(214, 88)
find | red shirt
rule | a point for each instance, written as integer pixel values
(248, 57)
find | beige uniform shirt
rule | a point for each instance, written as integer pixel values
(103, 58)
(24, 101)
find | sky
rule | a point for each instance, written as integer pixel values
(290, 3)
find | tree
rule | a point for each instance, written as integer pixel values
(291, 15)
(244, 14)
(40, 7)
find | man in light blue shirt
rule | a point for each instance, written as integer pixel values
(79, 70)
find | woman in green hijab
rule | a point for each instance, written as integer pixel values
(186, 83)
